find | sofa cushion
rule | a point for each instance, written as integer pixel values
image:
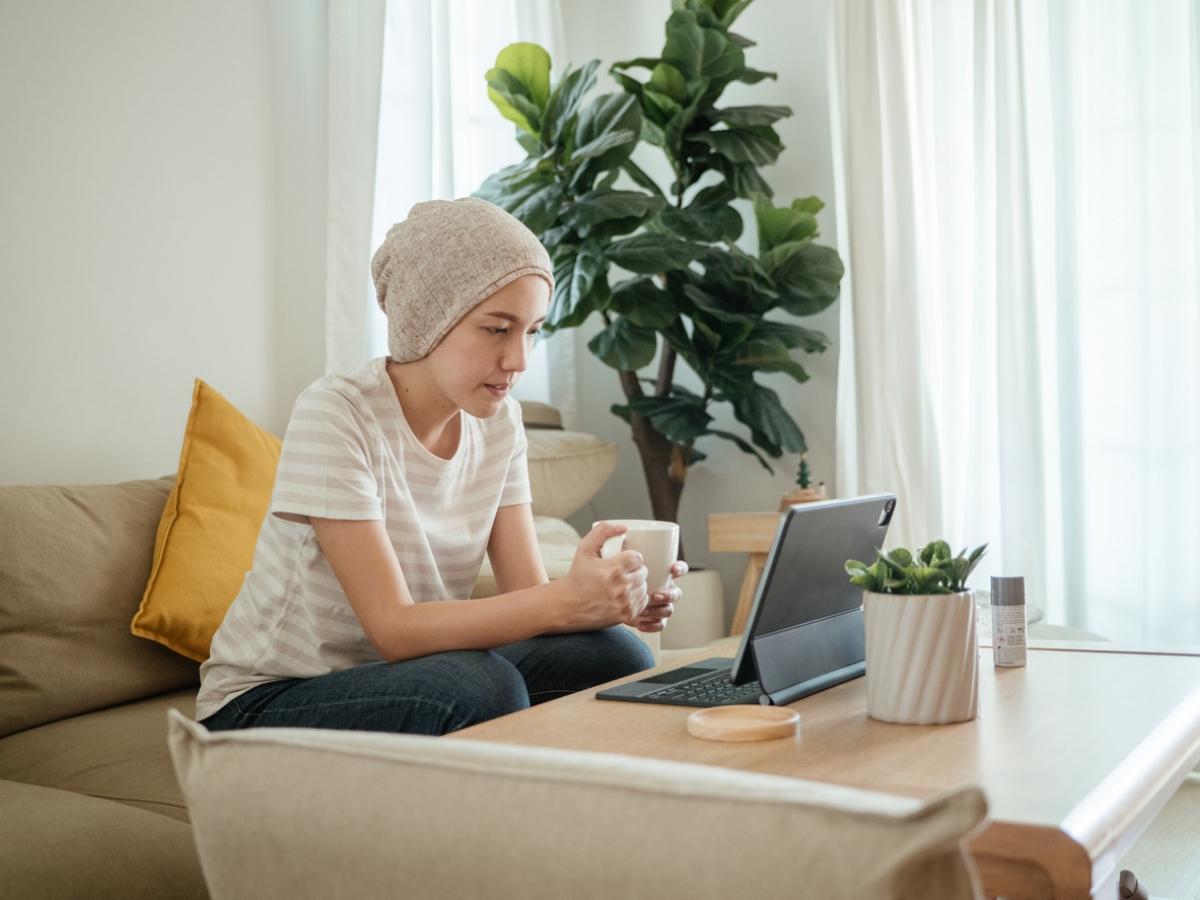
(206, 537)
(299, 812)
(56, 844)
(116, 754)
(74, 562)
(566, 469)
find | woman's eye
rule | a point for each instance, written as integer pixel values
(498, 330)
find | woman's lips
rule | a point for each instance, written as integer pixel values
(497, 390)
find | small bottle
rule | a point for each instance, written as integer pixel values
(1008, 620)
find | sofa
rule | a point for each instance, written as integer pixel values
(89, 803)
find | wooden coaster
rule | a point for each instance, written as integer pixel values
(743, 722)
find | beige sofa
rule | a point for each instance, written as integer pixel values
(89, 804)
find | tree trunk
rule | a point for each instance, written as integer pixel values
(662, 462)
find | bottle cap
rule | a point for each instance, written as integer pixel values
(1008, 590)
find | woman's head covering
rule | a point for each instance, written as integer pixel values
(447, 257)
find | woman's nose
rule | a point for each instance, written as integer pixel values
(515, 356)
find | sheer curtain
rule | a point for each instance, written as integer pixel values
(1042, 195)
(434, 135)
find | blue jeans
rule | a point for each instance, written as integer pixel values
(441, 692)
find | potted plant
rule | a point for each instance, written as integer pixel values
(922, 652)
(687, 282)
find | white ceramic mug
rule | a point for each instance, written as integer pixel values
(657, 541)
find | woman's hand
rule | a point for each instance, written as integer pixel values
(662, 604)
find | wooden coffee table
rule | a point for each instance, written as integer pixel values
(1076, 753)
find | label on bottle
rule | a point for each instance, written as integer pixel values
(1008, 635)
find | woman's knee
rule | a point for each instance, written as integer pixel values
(622, 651)
(477, 685)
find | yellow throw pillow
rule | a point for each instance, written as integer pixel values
(209, 528)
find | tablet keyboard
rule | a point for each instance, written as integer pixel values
(714, 689)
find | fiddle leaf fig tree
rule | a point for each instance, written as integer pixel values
(659, 266)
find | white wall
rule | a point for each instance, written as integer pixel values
(791, 42)
(161, 220)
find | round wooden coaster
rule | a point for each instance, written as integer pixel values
(743, 722)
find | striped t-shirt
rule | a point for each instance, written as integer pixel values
(348, 453)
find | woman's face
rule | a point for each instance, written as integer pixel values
(480, 359)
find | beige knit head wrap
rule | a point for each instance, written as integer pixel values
(447, 257)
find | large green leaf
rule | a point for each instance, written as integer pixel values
(601, 145)
(753, 76)
(772, 428)
(680, 419)
(624, 346)
(722, 59)
(601, 205)
(743, 116)
(808, 339)
(737, 272)
(501, 185)
(606, 114)
(757, 144)
(684, 48)
(519, 84)
(538, 207)
(564, 102)
(669, 82)
(720, 223)
(809, 279)
(575, 273)
(768, 356)
(779, 226)
(644, 303)
(641, 179)
(651, 253)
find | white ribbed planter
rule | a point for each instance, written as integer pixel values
(922, 657)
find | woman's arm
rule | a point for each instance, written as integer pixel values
(365, 564)
(513, 549)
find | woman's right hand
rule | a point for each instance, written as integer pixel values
(603, 592)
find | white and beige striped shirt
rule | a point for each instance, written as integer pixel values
(348, 453)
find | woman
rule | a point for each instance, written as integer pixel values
(392, 482)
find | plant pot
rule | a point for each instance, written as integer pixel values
(699, 616)
(922, 657)
(802, 495)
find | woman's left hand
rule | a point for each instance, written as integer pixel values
(662, 604)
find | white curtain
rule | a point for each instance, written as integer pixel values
(435, 135)
(1041, 192)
